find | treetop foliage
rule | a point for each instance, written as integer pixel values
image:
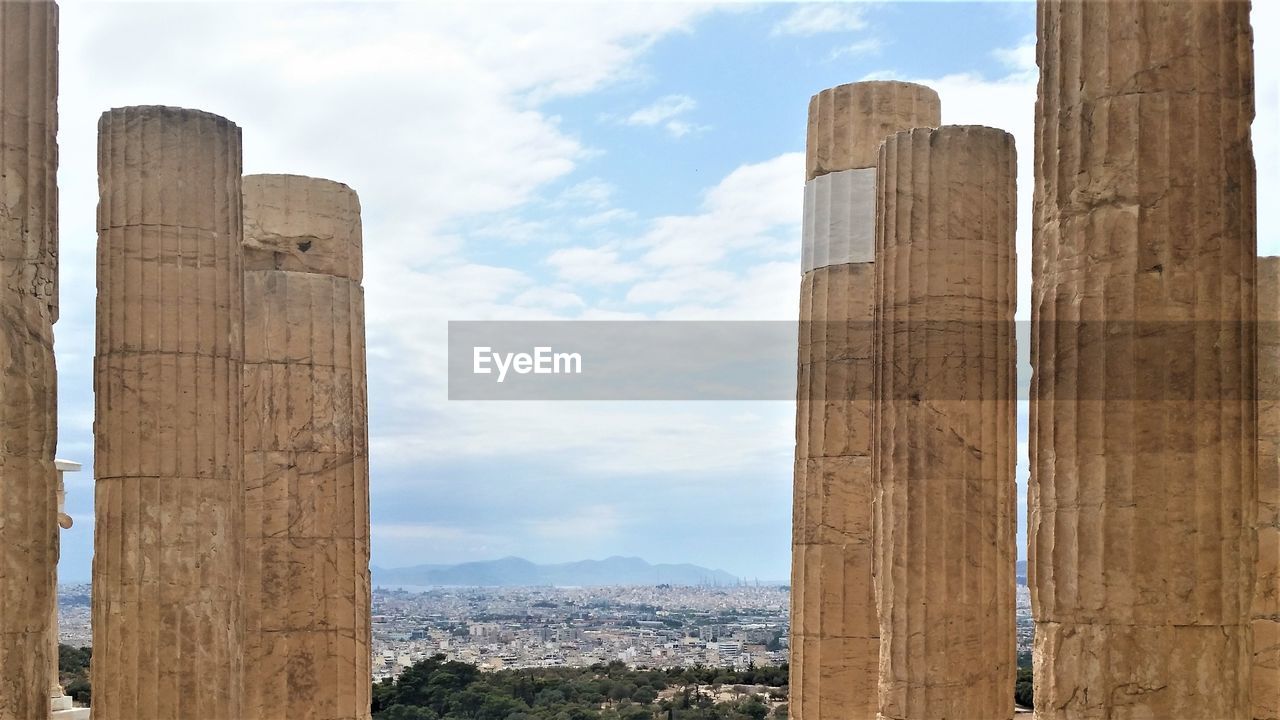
(440, 689)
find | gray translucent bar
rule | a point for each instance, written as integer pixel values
(741, 360)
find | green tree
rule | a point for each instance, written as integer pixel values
(1023, 691)
(644, 695)
(79, 690)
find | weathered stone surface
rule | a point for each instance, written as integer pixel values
(1266, 599)
(28, 391)
(834, 632)
(1143, 420)
(848, 122)
(307, 599)
(168, 544)
(302, 224)
(945, 432)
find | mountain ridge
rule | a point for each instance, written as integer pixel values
(514, 571)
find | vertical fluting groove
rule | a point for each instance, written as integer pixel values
(1143, 421)
(944, 429)
(834, 630)
(306, 453)
(1266, 596)
(167, 575)
(28, 377)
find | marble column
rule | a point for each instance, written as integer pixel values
(307, 601)
(1143, 415)
(28, 378)
(945, 424)
(834, 632)
(169, 535)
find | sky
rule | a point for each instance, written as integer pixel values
(549, 161)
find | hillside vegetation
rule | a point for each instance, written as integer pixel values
(439, 689)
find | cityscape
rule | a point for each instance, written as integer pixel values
(658, 627)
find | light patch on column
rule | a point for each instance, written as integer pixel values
(839, 219)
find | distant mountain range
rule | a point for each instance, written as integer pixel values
(1021, 572)
(514, 571)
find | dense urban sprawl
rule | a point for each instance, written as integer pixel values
(528, 627)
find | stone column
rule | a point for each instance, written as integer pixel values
(1143, 415)
(1266, 599)
(28, 380)
(834, 633)
(169, 538)
(306, 450)
(58, 701)
(945, 431)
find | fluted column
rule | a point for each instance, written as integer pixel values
(1266, 599)
(834, 632)
(57, 699)
(945, 430)
(306, 453)
(1143, 419)
(28, 378)
(168, 541)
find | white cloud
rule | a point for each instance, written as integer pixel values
(735, 258)
(434, 120)
(743, 212)
(680, 128)
(604, 217)
(667, 111)
(869, 46)
(1021, 58)
(662, 109)
(548, 297)
(593, 192)
(813, 19)
(614, 440)
(590, 524)
(591, 266)
(767, 291)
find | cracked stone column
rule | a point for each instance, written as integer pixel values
(1266, 599)
(168, 541)
(306, 452)
(945, 431)
(835, 638)
(28, 378)
(1143, 414)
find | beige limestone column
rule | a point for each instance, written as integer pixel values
(945, 430)
(57, 699)
(28, 309)
(306, 453)
(1266, 599)
(1143, 415)
(834, 633)
(168, 540)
